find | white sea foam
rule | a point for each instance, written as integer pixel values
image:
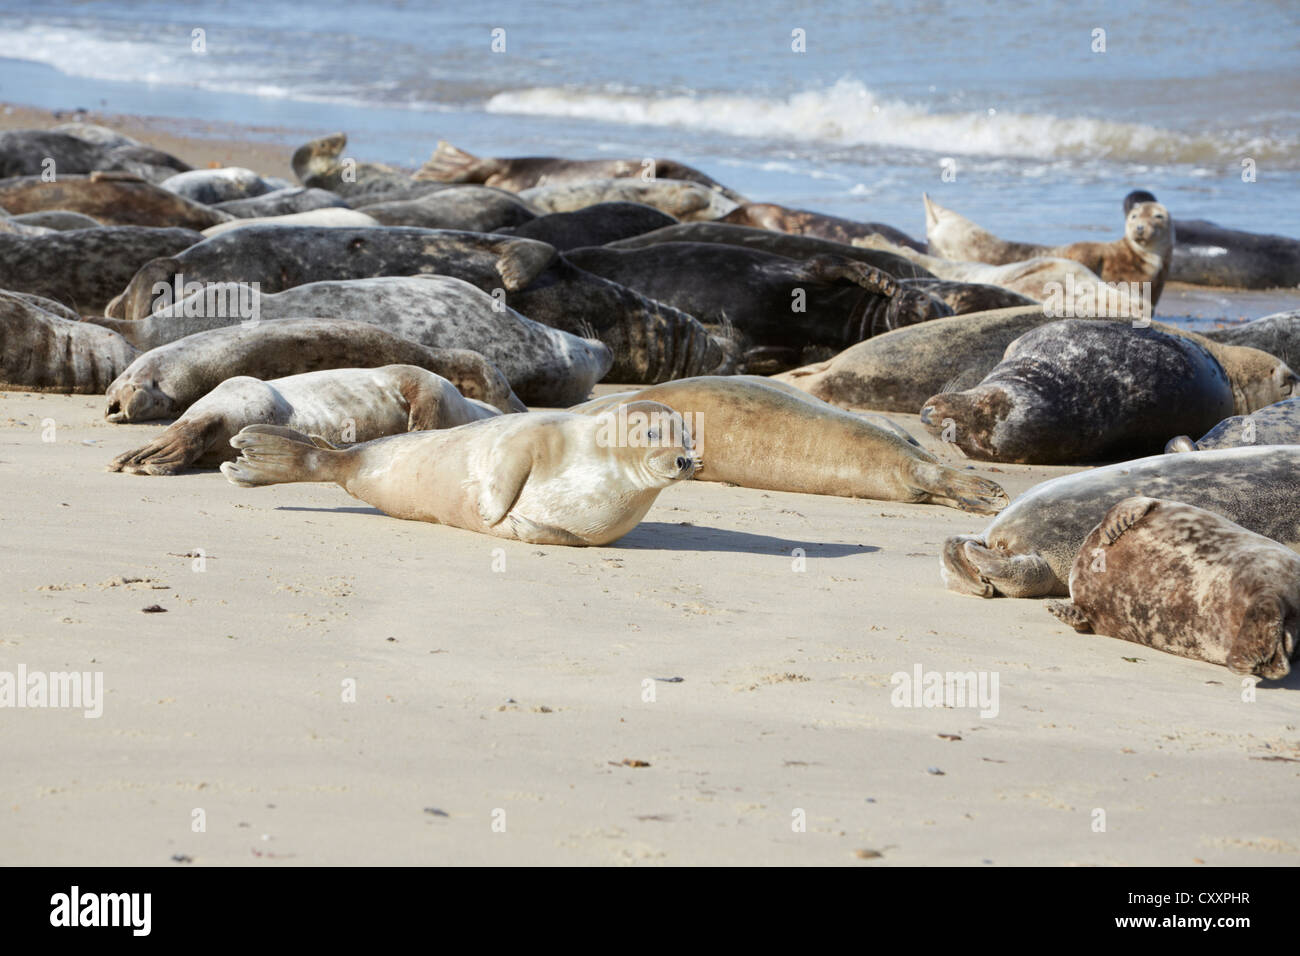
(849, 114)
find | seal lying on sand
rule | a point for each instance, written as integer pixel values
(544, 477)
(475, 208)
(210, 186)
(42, 350)
(801, 222)
(113, 199)
(167, 380)
(1144, 254)
(593, 225)
(340, 404)
(28, 152)
(331, 216)
(899, 370)
(678, 198)
(282, 202)
(1189, 582)
(1083, 390)
(756, 433)
(1278, 334)
(451, 165)
(1276, 424)
(85, 268)
(801, 248)
(651, 341)
(1028, 549)
(544, 365)
(777, 306)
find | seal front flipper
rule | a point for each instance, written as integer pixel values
(1124, 515)
(1071, 614)
(451, 165)
(1180, 444)
(520, 261)
(502, 490)
(180, 446)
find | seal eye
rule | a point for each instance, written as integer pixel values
(652, 434)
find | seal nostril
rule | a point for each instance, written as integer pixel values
(681, 464)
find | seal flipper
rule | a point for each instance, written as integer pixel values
(451, 165)
(317, 157)
(828, 268)
(945, 486)
(1071, 614)
(515, 464)
(971, 568)
(273, 454)
(520, 261)
(177, 448)
(1264, 644)
(1124, 515)
(1179, 444)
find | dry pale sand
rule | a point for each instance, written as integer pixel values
(520, 692)
(514, 696)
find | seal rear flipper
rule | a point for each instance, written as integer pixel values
(520, 261)
(1124, 515)
(1012, 575)
(1180, 444)
(451, 165)
(1265, 642)
(273, 454)
(1071, 614)
(318, 156)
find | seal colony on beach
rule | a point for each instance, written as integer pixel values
(387, 330)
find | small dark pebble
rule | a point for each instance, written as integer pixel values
(182, 858)
(154, 609)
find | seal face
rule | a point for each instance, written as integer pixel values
(544, 477)
(1189, 582)
(775, 437)
(1083, 390)
(1028, 549)
(342, 404)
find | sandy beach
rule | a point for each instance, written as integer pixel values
(327, 685)
(518, 694)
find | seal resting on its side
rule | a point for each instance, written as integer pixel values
(451, 165)
(341, 404)
(1186, 581)
(802, 222)
(1027, 550)
(757, 433)
(544, 477)
(41, 349)
(1083, 390)
(111, 199)
(167, 380)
